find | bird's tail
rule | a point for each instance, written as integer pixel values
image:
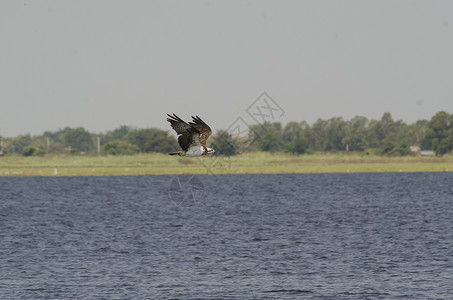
(175, 153)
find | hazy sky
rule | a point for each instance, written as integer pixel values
(102, 64)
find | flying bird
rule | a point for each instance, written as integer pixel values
(192, 136)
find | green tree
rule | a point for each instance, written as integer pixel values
(17, 144)
(389, 129)
(418, 134)
(440, 132)
(297, 146)
(419, 131)
(318, 136)
(153, 140)
(375, 134)
(294, 137)
(224, 143)
(356, 137)
(78, 138)
(268, 136)
(292, 131)
(335, 134)
(119, 134)
(32, 151)
(328, 135)
(119, 148)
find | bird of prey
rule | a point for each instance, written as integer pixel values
(192, 136)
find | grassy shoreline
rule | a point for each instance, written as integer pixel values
(249, 163)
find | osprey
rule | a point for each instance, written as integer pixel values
(192, 136)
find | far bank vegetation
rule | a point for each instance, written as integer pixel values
(386, 137)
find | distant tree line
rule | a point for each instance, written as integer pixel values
(124, 140)
(384, 137)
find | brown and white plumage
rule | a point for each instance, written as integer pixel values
(192, 136)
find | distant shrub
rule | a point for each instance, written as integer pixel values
(297, 146)
(309, 151)
(373, 151)
(32, 151)
(120, 148)
(152, 140)
(396, 150)
(224, 143)
(74, 151)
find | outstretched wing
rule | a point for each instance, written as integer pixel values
(203, 128)
(187, 134)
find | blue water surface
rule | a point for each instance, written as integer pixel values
(285, 236)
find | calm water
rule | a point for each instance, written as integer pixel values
(323, 236)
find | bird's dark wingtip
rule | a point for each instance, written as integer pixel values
(175, 118)
(171, 118)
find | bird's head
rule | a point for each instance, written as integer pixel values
(210, 151)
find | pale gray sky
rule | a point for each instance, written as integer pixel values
(102, 64)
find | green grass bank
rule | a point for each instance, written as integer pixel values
(147, 164)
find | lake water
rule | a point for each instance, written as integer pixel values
(286, 236)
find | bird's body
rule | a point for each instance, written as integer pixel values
(194, 151)
(192, 136)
